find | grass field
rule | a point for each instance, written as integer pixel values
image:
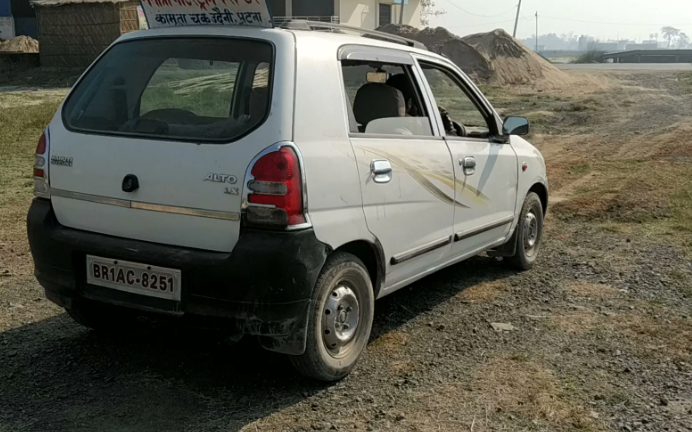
(21, 128)
(204, 92)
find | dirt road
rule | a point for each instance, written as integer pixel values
(602, 328)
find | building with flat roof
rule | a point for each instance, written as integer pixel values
(367, 14)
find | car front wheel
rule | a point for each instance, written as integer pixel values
(340, 320)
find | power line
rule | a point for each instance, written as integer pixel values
(612, 23)
(478, 15)
(559, 18)
(481, 25)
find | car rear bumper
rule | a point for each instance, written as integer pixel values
(262, 288)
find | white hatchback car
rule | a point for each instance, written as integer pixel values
(282, 179)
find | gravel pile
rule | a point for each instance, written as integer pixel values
(494, 57)
(20, 44)
(441, 41)
(512, 62)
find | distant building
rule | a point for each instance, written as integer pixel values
(645, 45)
(72, 33)
(6, 20)
(367, 14)
(585, 42)
(607, 46)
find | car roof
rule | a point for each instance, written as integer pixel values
(337, 39)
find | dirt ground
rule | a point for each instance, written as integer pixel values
(601, 335)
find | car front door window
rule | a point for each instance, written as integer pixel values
(485, 172)
(460, 115)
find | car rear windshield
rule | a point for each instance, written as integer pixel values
(191, 89)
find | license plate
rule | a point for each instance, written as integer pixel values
(134, 277)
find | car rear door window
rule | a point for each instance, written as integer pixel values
(384, 99)
(191, 89)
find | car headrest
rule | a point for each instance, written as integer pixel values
(375, 101)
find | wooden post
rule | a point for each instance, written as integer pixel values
(536, 31)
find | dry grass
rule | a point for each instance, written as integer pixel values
(576, 323)
(484, 292)
(633, 190)
(18, 100)
(640, 182)
(576, 86)
(592, 290)
(505, 393)
(530, 392)
(393, 342)
(648, 330)
(402, 367)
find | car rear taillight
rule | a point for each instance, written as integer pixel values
(276, 190)
(41, 185)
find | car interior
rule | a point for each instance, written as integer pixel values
(194, 94)
(388, 94)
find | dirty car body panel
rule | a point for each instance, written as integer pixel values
(127, 188)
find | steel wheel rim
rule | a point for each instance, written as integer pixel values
(530, 233)
(340, 320)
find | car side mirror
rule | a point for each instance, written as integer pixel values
(516, 126)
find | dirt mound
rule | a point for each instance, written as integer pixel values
(496, 43)
(23, 44)
(494, 57)
(514, 63)
(441, 41)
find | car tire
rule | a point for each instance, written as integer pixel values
(340, 321)
(101, 317)
(528, 234)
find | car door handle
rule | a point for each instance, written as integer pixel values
(468, 163)
(381, 170)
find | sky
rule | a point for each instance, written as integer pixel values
(602, 19)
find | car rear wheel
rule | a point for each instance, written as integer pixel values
(528, 234)
(340, 319)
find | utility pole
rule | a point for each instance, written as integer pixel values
(516, 23)
(401, 12)
(536, 31)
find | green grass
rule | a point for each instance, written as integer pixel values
(580, 106)
(207, 102)
(203, 92)
(634, 196)
(681, 202)
(580, 169)
(592, 56)
(461, 109)
(686, 82)
(21, 128)
(681, 280)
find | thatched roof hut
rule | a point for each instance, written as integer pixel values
(72, 33)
